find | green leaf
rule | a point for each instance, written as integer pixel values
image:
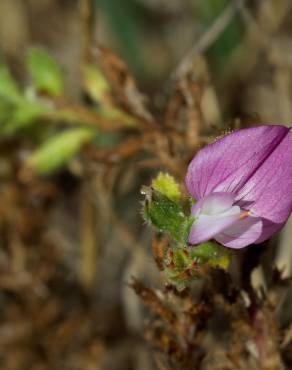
(95, 83)
(59, 149)
(45, 72)
(167, 215)
(24, 115)
(9, 89)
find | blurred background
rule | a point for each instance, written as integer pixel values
(82, 129)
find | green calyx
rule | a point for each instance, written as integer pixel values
(167, 215)
(167, 210)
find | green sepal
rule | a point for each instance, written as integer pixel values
(212, 253)
(167, 215)
(183, 264)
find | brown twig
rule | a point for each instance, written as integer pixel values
(89, 243)
(87, 21)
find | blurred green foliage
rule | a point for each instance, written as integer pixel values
(126, 23)
(129, 22)
(32, 112)
(45, 72)
(18, 109)
(9, 91)
(96, 83)
(223, 48)
(58, 149)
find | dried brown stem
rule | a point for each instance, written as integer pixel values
(87, 22)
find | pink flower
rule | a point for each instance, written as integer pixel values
(243, 186)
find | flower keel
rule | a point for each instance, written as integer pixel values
(219, 218)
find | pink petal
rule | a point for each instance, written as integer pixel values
(269, 229)
(227, 164)
(269, 190)
(241, 233)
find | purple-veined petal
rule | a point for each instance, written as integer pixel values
(228, 164)
(206, 226)
(269, 190)
(241, 233)
(214, 203)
